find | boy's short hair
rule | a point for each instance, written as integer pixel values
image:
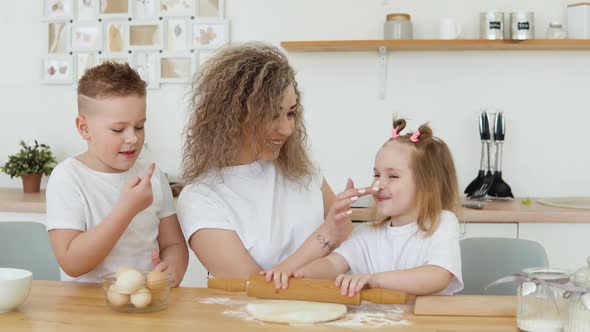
(111, 79)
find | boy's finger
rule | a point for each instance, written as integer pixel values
(132, 182)
(349, 184)
(147, 176)
(155, 257)
(163, 266)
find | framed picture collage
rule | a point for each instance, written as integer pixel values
(166, 41)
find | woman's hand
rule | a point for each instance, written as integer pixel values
(352, 284)
(338, 218)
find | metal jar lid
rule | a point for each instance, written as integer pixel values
(548, 274)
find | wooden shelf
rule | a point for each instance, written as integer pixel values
(438, 45)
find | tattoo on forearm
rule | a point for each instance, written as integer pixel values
(325, 242)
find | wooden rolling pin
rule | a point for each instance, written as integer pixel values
(304, 290)
(466, 305)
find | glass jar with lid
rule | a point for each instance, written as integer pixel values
(398, 26)
(556, 31)
(542, 307)
(579, 312)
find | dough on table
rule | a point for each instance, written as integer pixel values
(288, 311)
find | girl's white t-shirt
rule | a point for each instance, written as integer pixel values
(81, 198)
(373, 249)
(271, 214)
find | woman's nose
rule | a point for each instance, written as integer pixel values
(285, 126)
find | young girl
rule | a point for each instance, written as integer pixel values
(414, 247)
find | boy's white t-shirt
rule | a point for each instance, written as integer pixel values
(271, 215)
(81, 198)
(373, 249)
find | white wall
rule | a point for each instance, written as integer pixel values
(543, 94)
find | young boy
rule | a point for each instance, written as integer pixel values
(104, 210)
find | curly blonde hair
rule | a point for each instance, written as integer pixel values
(437, 187)
(237, 94)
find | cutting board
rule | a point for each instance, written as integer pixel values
(466, 305)
(567, 202)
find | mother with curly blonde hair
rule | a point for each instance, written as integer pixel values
(254, 201)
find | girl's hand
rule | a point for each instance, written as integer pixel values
(162, 266)
(352, 284)
(280, 278)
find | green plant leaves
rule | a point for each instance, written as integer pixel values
(37, 159)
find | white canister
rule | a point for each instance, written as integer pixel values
(578, 20)
(397, 26)
(449, 28)
(522, 25)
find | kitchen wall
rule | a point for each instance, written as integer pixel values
(544, 94)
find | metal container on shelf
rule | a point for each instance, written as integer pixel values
(522, 25)
(541, 305)
(491, 25)
(398, 26)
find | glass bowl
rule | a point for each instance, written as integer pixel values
(148, 292)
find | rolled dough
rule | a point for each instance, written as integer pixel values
(302, 312)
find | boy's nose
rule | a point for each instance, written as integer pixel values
(131, 138)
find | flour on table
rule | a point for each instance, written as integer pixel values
(365, 315)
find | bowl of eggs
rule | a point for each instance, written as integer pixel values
(130, 290)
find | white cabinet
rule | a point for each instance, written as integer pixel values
(508, 230)
(567, 245)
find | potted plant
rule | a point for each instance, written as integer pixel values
(30, 163)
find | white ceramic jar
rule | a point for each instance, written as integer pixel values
(578, 20)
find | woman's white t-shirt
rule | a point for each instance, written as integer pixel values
(373, 249)
(81, 198)
(271, 214)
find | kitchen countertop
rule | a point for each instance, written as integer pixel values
(66, 306)
(511, 211)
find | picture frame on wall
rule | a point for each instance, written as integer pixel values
(86, 37)
(177, 67)
(209, 34)
(57, 69)
(87, 10)
(84, 61)
(146, 35)
(54, 10)
(115, 9)
(211, 8)
(184, 8)
(116, 36)
(202, 57)
(58, 37)
(147, 65)
(145, 9)
(177, 35)
(118, 58)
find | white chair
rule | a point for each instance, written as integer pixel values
(25, 245)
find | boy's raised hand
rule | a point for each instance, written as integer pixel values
(137, 192)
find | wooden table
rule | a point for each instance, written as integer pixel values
(65, 306)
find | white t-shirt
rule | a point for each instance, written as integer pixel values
(271, 215)
(81, 198)
(373, 249)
